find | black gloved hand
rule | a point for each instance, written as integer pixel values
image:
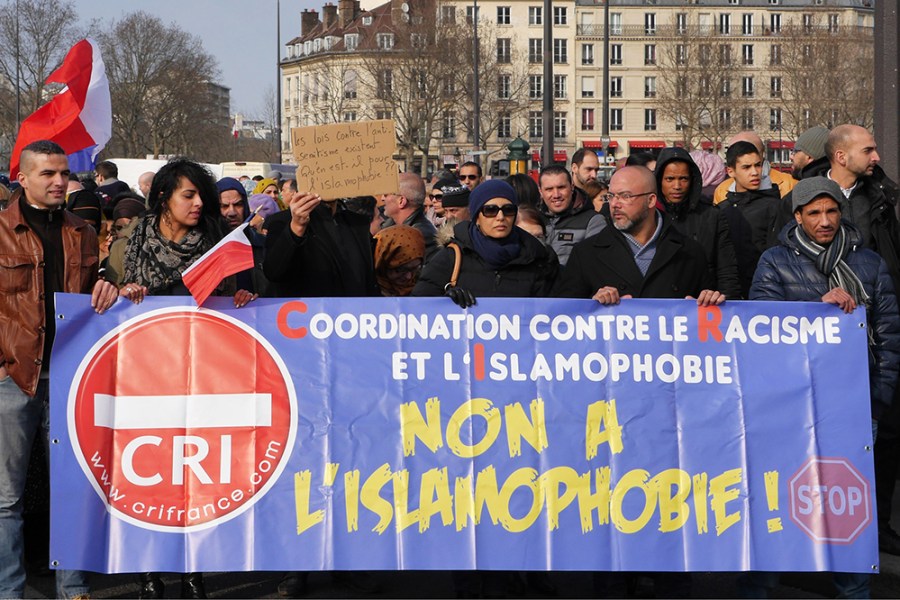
(462, 297)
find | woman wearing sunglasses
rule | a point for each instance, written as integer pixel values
(497, 259)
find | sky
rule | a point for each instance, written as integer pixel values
(239, 33)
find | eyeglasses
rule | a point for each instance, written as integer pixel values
(624, 197)
(492, 210)
(464, 177)
(436, 196)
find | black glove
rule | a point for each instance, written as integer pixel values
(462, 297)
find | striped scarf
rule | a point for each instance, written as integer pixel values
(830, 262)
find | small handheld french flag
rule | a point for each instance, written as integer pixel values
(231, 255)
(79, 118)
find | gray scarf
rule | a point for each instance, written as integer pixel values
(157, 263)
(830, 262)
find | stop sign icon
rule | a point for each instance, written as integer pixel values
(830, 500)
(182, 419)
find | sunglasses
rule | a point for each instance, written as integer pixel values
(435, 196)
(492, 210)
(464, 177)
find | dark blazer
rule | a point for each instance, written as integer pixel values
(333, 258)
(678, 269)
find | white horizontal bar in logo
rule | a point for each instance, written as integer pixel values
(196, 411)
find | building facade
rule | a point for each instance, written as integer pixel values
(688, 72)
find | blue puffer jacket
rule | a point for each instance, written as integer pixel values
(786, 274)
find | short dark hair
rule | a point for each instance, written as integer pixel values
(470, 163)
(166, 181)
(737, 150)
(639, 159)
(291, 183)
(578, 157)
(45, 147)
(107, 169)
(555, 170)
(526, 189)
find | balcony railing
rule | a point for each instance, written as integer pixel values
(595, 30)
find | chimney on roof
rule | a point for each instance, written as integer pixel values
(348, 10)
(308, 21)
(329, 16)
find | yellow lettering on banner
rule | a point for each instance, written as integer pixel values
(372, 500)
(465, 502)
(351, 499)
(598, 500)
(636, 479)
(721, 496)
(600, 414)
(487, 493)
(435, 498)
(550, 483)
(673, 508)
(414, 426)
(521, 478)
(518, 427)
(476, 407)
(331, 471)
(305, 520)
(701, 506)
(405, 517)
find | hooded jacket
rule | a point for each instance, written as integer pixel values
(784, 273)
(702, 222)
(531, 274)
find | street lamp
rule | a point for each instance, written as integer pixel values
(278, 107)
(476, 96)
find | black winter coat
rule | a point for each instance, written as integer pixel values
(750, 217)
(699, 220)
(786, 274)
(678, 269)
(332, 259)
(531, 274)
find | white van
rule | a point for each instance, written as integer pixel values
(252, 169)
(132, 168)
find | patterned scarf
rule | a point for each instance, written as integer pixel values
(830, 262)
(153, 261)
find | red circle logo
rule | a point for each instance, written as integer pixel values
(182, 419)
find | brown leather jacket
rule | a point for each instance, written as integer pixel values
(22, 288)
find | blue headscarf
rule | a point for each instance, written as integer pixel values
(497, 253)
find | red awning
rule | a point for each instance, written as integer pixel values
(645, 144)
(560, 155)
(597, 145)
(707, 145)
(536, 157)
(785, 145)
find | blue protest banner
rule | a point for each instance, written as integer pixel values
(410, 434)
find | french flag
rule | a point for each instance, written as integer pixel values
(232, 255)
(79, 118)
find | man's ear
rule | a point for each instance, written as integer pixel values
(730, 172)
(797, 214)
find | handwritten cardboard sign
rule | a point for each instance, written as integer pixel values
(344, 160)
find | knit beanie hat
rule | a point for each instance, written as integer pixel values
(456, 195)
(812, 142)
(493, 188)
(811, 188)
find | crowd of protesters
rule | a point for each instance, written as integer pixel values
(676, 224)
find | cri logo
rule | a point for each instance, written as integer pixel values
(182, 419)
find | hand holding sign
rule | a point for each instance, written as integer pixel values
(301, 205)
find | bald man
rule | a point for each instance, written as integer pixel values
(144, 182)
(407, 207)
(770, 177)
(641, 256)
